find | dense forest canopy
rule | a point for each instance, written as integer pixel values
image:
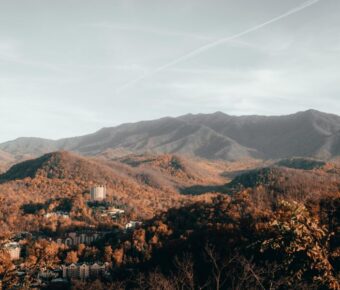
(272, 226)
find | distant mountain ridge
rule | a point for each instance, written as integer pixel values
(211, 136)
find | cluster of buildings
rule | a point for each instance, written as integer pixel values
(81, 271)
(112, 212)
(74, 239)
(84, 271)
(61, 275)
(100, 204)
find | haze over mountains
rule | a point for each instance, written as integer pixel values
(211, 136)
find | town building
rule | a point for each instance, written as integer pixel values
(83, 271)
(13, 249)
(112, 212)
(98, 193)
(74, 239)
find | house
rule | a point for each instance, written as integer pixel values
(83, 271)
(132, 224)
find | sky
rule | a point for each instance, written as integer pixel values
(71, 67)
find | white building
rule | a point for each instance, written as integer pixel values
(13, 249)
(98, 193)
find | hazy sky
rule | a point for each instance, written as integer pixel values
(71, 67)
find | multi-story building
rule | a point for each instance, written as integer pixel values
(83, 271)
(13, 249)
(74, 239)
(98, 193)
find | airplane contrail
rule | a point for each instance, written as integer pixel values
(217, 42)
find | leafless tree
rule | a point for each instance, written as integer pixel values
(184, 278)
(219, 266)
(185, 275)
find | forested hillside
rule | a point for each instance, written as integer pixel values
(269, 227)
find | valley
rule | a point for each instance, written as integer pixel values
(155, 205)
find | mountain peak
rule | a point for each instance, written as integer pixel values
(313, 112)
(310, 112)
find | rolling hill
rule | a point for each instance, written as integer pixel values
(143, 184)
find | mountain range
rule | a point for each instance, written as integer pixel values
(211, 136)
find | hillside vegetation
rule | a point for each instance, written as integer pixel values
(270, 227)
(143, 189)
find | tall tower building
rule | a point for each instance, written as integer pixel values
(98, 193)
